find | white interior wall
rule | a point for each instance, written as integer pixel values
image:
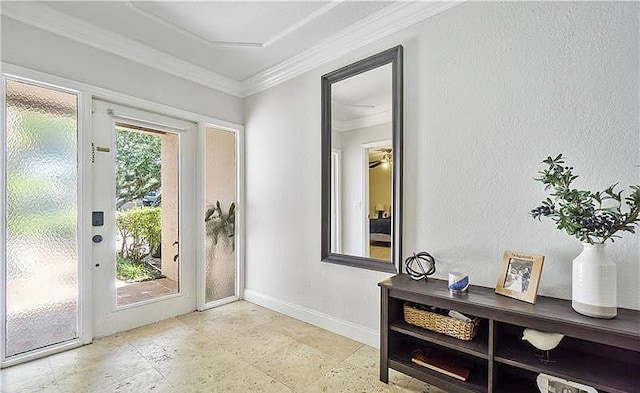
(491, 89)
(29, 47)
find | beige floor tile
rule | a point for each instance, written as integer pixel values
(256, 344)
(293, 328)
(250, 379)
(297, 365)
(367, 358)
(334, 345)
(407, 384)
(35, 376)
(149, 381)
(200, 371)
(73, 375)
(348, 378)
(239, 347)
(156, 330)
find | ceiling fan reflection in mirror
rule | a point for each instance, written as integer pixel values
(386, 158)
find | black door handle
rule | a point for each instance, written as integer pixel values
(97, 238)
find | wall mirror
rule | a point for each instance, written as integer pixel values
(362, 163)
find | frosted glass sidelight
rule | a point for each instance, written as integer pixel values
(220, 190)
(41, 217)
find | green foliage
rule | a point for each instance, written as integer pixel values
(143, 227)
(592, 217)
(219, 223)
(133, 271)
(137, 165)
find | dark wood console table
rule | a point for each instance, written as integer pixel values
(604, 354)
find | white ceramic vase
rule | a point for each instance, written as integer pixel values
(594, 290)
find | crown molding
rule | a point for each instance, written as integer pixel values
(383, 23)
(51, 20)
(182, 30)
(233, 44)
(362, 122)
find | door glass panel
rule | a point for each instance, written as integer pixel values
(220, 199)
(41, 279)
(147, 259)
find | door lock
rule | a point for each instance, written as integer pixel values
(97, 238)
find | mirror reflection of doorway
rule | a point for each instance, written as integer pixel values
(378, 197)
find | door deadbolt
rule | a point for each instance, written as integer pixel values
(97, 238)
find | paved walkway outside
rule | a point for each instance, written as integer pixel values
(129, 293)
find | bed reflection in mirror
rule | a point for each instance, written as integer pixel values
(362, 165)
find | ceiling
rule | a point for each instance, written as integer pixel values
(240, 47)
(362, 100)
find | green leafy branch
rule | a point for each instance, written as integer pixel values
(592, 217)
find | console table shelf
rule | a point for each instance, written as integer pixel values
(604, 354)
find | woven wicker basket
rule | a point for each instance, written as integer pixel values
(441, 323)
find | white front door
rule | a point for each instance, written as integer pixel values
(144, 246)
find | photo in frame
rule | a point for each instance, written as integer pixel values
(520, 276)
(550, 384)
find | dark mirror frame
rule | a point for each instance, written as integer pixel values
(391, 56)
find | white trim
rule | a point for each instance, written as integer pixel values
(233, 44)
(50, 350)
(117, 98)
(336, 197)
(362, 122)
(376, 26)
(131, 120)
(3, 220)
(302, 22)
(344, 328)
(200, 201)
(385, 22)
(182, 30)
(85, 203)
(54, 21)
(218, 303)
(240, 213)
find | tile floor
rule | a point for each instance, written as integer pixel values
(239, 347)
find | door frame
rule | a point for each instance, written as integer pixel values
(109, 317)
(87, 93)
(365, 191)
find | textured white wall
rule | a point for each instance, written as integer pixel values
(490, 90)
(26, 46)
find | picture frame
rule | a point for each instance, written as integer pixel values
(550, 384)
(520, 276)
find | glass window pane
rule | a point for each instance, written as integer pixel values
(41, 221)
(220, 198)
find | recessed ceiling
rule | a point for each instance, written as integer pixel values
(362, 100)
(234, 39)
(239, 47)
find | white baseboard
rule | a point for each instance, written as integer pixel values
(344, 328)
